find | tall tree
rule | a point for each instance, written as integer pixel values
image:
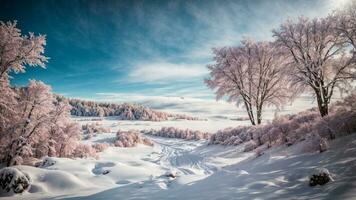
(320, 59)
(251, 74)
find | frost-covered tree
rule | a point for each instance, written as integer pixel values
(35, 105)
(252, 74)
(43, 127)
(17, 51)
(320, 59)
(33, 123)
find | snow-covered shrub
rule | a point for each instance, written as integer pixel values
(100, 147)
(84, 151)
(250, 145)
(228, 135)
(90, 130)
(130, 139)
(172, 132)
(315, 143)
(14, 180)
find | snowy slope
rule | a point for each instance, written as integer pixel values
(203, 172)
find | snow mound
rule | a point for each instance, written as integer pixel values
(14, 180)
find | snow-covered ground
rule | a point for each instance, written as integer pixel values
(203, 171)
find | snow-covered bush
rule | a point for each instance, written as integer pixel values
(84, 151)
(100, 147)
(250, 145)
(229, 135)
(90, 130)
(172, 132)
(315, 143)
(14, 180)
(287, 129)
(130, 139)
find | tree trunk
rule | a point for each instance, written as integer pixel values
(322, 104)
(259, 114)
(250, 113)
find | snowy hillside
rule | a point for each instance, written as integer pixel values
(181, 169)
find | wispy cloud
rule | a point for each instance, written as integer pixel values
(163, 71)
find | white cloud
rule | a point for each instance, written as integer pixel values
(164, 71)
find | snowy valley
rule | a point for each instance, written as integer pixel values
(177, 100)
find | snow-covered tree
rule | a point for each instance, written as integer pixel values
(35, 104)
(320, 59)
(252, 74)
(33, 123)
(18, 50)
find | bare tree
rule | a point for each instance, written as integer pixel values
(251, 74)
(319, 57)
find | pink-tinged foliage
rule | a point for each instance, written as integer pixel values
(43, 127)
(306, 126)
(100, 147)
(319, 57)
(252, 74)
(19, 50)
(84, 151)
(130, 139)
(230, 136)
(172, 132)
(33, 123)
(90, 130)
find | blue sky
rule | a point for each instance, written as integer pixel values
(143, 48)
